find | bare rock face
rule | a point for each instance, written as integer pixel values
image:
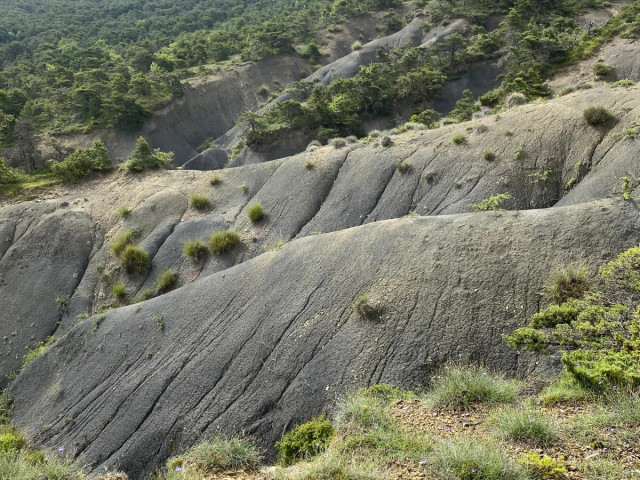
(39, 271)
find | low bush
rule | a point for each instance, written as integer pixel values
(134, 259)
(82, 162)
(338, 142)
(572, 281)
(218, 455)
(526, 425)
(601, 69)
(38, 350)
(255, 212)
(215, 179)
(222, 242)
(121, 242)
(489, 155)
(166, 280)
(305, 441)
(199, 201)
(367, 309)
(124, 211)
(490, 204)
(195, 249)
(543, 466)
(467, 459)
(459, 387)
(143, 158)
(598, 116)
(459, 139)
(119, 290)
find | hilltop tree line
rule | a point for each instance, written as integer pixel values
(72, 65)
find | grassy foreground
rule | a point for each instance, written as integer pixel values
(471, 424)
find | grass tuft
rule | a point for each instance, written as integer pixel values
(526, 425)
(166, 280)
(222, 242)
(134, 259)
(199, 201)
(195, 249)
(218, 455)
(255, 212)
(459, 387)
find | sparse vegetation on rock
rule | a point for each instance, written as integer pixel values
(222, 242)
(255, 212)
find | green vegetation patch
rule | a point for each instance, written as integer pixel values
(222, 242)
(459, 387)
(305, 441)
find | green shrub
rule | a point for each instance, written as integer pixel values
(124, 211)
(543, 466)
(459, 387)
(489, 155)
(355, 46)
(305, 441)
(119, 291)
(218, 455)
(82, 162)
(11, 441)
(195, 249)
(601, 69)
(222, 242)
(490, 204)
(255, 212)
(525, 424)
(358, 412)
(598, 336)
(564, 390)
(519, 153)
(143, 158)
(121, 242)
(572, 281)
(468, 458)
(30, 465)
(309, 165)
(557, 314)
(215, 179)
(134, 259)
(166, 280)
(598, 116)
(459, 139)
(244, 188)
(403, 166)
(367, 309)
(529, 339)
(38, 350)
(199, 201)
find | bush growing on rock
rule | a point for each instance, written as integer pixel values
(143, 158)
(134, 259)
(598, 116)
(366, 308)
(222, 242)
(597, 334)
(515, 99)
(166, 280)
(491, 203)
(572, 281)
(218, 455)
(195, 249)
(601, 69)
(199, 201)
(305, 441)
(255, 212)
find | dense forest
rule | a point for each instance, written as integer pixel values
(68, 65)
(535, 38)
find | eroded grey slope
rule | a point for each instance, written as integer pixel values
(270, 342)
